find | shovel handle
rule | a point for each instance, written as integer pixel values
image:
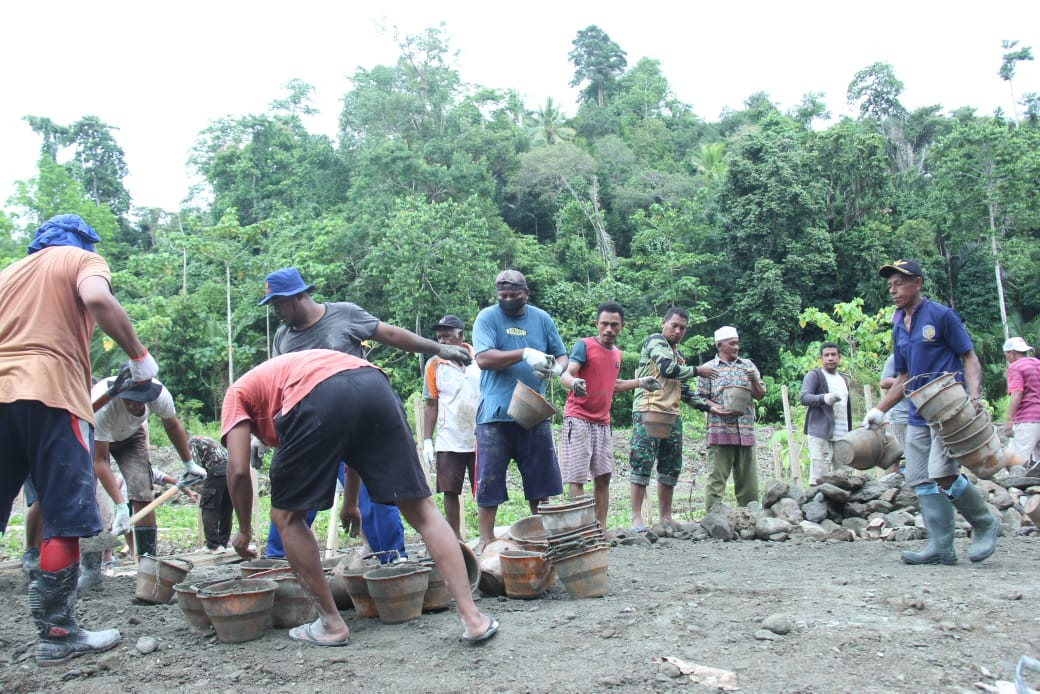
(154, 504)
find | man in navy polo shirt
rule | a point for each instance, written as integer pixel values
(928, 339)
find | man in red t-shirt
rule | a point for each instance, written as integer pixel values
(1023, 415)
(316, 408)
(592, 377)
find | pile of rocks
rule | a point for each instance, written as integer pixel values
(847, 506)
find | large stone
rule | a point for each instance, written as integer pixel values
(833, 492)
(897, 519)
(718, 525)
(905, 534)
(770, 526)
(812, 531)
(879, 506)
(1011, 522)
(777, 623)
(743, 519)
(890, 494)
(829, 525)
(775, 491)
(856, 510)
(788, 510)
(839, 478)
(816, 510)
(906, 498)
(1002, 500)
(873, 489)
(856, 525)
(1020, 482)
(797, 493)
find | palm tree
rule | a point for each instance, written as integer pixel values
(549, 125)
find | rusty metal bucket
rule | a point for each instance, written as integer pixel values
(569, 515)
(861, 448)
(157, 577)
(985, 460)
(584, 575)
(525, 574)
(970, 436)
(736, 399)
(255, 566)
(658, 425)
(527, 407)
(292, 606)
(191, 606)
(945, 388)
(239, 608)
(357, 587)
(956, 420)
(437, 597)
(398, 591)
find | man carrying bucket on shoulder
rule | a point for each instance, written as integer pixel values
(829, 417)
(658, 411)
(592, 377)
(731, 426)
(928, 340)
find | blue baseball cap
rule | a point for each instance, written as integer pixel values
(284, 282)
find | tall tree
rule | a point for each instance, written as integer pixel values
(1008, 65)
(597, 60)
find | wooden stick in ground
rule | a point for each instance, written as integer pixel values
(778, 466)
(256, 506)
(868, 396)
(200, 534)
(332, 537)
(792, 452)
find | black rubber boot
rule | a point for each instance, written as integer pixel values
(89, 571)
(144, 540)
(984, 527)
(52, 602)
(938, 521)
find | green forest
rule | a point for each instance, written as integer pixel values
(772, 221)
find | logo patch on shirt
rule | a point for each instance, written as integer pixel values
(513, 330)
(928, 332)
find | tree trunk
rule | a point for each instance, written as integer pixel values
(230, 358)
(997, 270)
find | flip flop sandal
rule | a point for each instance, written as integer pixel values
(303, 634)
(487, 634)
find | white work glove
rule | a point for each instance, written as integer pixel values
(830, 398)
(428, 453)
(191, 467)
(649, 383)
(874, 419)
(541, 363)
(143, 368)
(455, 353)
(579, 387)
(257, 451)
(121, 524)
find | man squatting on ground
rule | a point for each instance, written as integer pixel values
(928, 339)
(660, 359)
(451, 393)
(342, 326)
(514, 341)
(592, 373)
(318, 407)
(829, 417)
(1022, 423)
(121, 429)
(731, 435)
(51, 301)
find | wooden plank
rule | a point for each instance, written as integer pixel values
(257, 537)
(792, 452)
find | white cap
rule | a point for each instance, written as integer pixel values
(726, 332)
(1017, 344)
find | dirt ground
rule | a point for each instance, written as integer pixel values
(859, 621)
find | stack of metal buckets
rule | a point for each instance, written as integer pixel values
(969, 436)
(577, 546)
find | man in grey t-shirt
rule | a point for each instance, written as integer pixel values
(342, 326)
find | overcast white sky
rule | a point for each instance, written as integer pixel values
(160, 71)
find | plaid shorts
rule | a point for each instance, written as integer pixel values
(586, 450)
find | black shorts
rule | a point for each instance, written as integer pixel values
(52, 448)
(353, 416)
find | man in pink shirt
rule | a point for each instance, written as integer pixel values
(318, 407)
(1023, 415)
(592, 377)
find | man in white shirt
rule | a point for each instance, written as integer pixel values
(120, 430)
(826, 393)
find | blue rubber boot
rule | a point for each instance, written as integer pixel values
(938, 521)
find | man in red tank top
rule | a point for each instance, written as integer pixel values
(592, 377)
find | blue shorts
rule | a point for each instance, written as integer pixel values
(535, 456)
(353, 416)
(52, 448)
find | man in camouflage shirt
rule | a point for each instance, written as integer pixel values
(658, 358)
(731, 435)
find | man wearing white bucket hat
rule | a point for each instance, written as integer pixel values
(1023, 415)
(928, 340)
(731, 433)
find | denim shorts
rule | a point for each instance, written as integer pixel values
(535, 456)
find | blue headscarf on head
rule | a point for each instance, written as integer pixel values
(64, 230)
